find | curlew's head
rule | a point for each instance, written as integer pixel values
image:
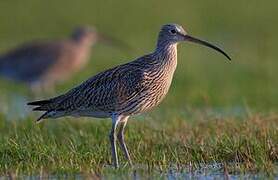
(174, 33)
(85, 35)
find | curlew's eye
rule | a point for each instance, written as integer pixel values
(173, 31)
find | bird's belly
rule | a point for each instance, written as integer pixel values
(90, 113)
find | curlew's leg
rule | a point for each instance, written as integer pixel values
(121, 139)
(112, 136)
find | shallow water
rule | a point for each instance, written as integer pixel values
(211, 171)
(147, 176)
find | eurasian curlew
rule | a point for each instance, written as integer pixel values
(124, 90)
(42, 64)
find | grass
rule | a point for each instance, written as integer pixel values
(203, 120)
(246, 145)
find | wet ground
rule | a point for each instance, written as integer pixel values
(213, 171)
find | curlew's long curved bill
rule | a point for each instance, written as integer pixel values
(198, 41)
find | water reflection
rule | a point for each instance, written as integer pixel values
(210, 171)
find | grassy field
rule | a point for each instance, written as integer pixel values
(216, 111)
(244, 145)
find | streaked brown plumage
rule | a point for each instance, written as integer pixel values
(42, 64)
(125, 90)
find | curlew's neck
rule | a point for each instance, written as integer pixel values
(166, 54)
(80, 51)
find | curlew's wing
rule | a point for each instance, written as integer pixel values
(108, 91)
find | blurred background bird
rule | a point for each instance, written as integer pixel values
(42, 64)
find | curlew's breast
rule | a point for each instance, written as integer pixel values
(156, 87)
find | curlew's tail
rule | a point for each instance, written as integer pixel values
(38, 103)
(43, 116)
(53, 108)
(44, 105)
